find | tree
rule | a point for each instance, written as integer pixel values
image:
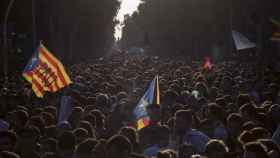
(73, 29)
(193, 27)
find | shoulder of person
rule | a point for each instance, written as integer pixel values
(136, 155)
(152, 150)
(195, 132)
(143, 130)
(149, 128)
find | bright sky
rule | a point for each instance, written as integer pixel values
(127, 7)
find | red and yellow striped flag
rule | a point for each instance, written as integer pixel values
(45, 72)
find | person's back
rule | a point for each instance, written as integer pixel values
(118, 146)
(66, 145)
(187, 135)
(167, 154)
(8, 141)
(84, 149)
(216, 148)
(6, 154)
(148, 134)
(197, 139)
(28, 145)
(134, 155)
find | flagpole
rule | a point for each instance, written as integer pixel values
(5, 41)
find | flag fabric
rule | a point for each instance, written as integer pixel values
(207, 64)
(242, 42)
(45, 72)
(151, 96)
(65, 109)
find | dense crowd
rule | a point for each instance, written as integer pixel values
(229, 111)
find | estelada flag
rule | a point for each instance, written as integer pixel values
(151, 96)
(45, 72)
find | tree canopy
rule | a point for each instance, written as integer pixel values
(196, 27)
(74, 30)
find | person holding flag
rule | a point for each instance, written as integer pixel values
(150, 99)
(147, 114)
(45, 72)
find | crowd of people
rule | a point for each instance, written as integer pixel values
(229, 111)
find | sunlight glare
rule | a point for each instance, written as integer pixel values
(127, 7)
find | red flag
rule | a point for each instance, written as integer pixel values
(207, 64)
